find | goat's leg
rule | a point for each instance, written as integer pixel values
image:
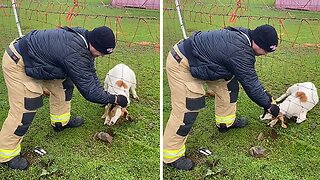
(282, 97)
(273, 122)
(283, 125)
(134, 93)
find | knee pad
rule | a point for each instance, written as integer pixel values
(32, 104)
(195, 103)
(26, 122)
(188, 120)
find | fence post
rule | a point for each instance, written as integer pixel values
(14, 7)
(178, 6)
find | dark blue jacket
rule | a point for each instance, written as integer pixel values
(222, 54)
(62, 53)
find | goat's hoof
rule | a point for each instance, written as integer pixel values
(136, 98)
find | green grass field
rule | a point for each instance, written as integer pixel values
(291, 153)
(73, 153)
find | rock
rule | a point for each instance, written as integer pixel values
(103, 136)
(257, 151)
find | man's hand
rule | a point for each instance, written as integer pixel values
(274, 110)
(121, 100)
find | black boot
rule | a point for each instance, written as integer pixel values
(75, 122)
(183, 163)
(17, 162)
(238, 123)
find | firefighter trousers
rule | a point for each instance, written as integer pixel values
(187, 98)
(25, 97)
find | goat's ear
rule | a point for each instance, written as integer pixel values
(106, 111)
(104, 115)
(108, 106)
(280, 116)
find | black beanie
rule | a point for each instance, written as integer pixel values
(102, 39)
(265, 37)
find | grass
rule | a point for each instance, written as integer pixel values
(73, 153)
(291, 153)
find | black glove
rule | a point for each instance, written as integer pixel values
(121, 100)
(274, 110)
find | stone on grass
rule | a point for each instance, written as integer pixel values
(257, 151)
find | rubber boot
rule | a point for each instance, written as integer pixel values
(183, 163)
(238, 123)
(17, 162)
(75, 122)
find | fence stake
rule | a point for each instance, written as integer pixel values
(14, 7)
(178, 6)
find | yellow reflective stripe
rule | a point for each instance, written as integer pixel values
(10, 153)
(228, 120)
(170, 154)
(60, 118)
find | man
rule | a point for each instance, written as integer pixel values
(219, 58)
(54, 59)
